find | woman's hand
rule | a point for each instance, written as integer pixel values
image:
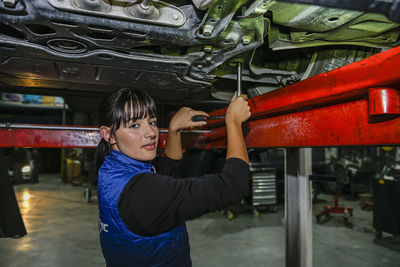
(238, 110)
(183, 119)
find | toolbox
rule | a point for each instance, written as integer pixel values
(263, 185)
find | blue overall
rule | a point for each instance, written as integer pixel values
(120, 246)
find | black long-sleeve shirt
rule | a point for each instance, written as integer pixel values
(153, 203)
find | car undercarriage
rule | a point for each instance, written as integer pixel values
(179, 50)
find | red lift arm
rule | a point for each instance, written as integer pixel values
(358, 104)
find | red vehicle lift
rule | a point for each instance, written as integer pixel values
(355, 105)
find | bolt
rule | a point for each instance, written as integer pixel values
(145, 4)
(9, 3)
(246, 40)
(228, 41)
(208, 29)
(175, 16)
(199, 66)
(208, 59)
(207, 48)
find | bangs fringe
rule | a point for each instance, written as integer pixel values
(142, 106)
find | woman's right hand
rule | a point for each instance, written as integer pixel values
(238, 110)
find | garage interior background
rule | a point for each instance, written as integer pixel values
(354, 216)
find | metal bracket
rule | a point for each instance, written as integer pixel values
(152, 12)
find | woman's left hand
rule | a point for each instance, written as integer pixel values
(183, 119)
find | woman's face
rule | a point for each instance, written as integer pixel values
(138, 139)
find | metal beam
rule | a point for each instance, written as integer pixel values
(346, 124)
(53, 136)
(23, 135)
(298, 207)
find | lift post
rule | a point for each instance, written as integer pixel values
(298, 207)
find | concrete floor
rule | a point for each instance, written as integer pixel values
(62, 231)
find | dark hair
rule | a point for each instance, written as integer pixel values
(115, 109)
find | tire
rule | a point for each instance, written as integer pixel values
(330, 58)
(310, 62)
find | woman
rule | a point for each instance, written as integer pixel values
(142, 210)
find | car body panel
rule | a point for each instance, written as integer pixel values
(175, 51)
